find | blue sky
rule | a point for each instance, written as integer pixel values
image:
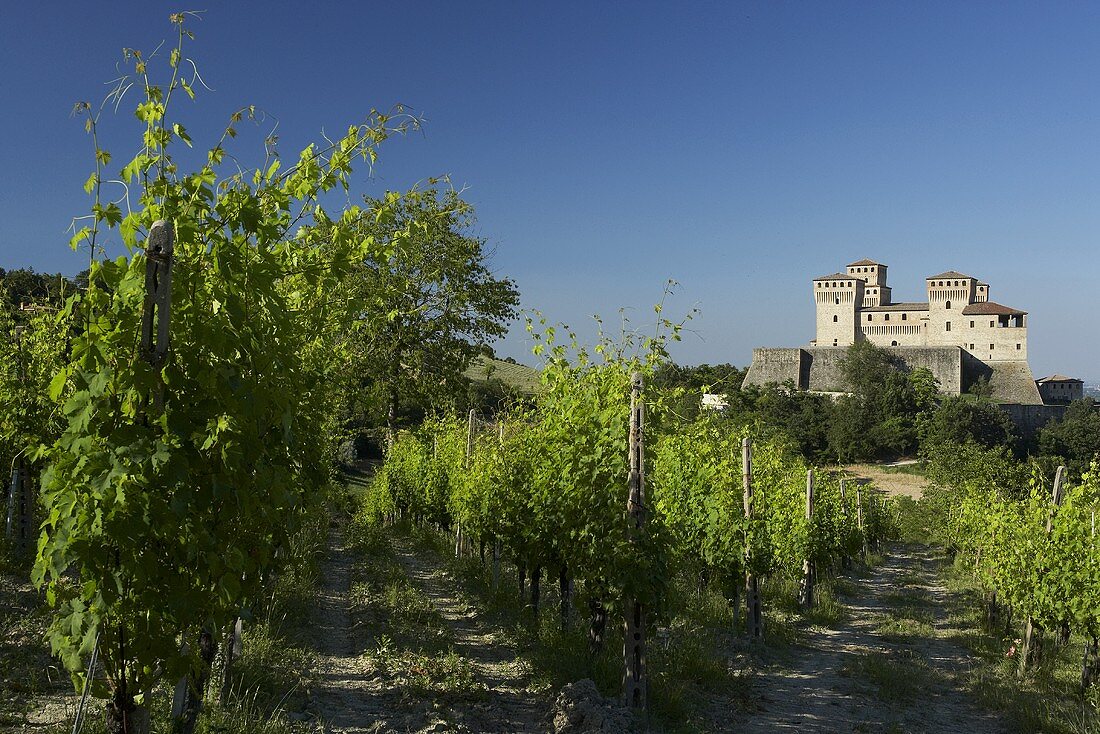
(739, 148)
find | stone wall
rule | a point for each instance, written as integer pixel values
(1030, 418)
(818, 368)
(777, 364)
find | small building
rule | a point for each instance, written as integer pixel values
(1060, 390)
(715, 401)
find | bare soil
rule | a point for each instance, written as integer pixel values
(893, 483)
(862, 678)
(357, 693)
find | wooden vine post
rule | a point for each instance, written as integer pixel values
(18, 527)
(496, 538)
(754, 613)
(859, 520)
(845, 559)
(634, 675)
(469, 452)
(806, 590)
(1031, 649)
(155, 334)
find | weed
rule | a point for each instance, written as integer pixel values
(894, 680)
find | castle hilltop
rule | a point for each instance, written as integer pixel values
(958, 334)
(857, 305)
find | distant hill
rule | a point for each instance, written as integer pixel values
(519, 377)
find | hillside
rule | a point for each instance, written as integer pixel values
(519, 377)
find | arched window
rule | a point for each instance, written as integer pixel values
(894, 343)
(949, 304)
(835, 319)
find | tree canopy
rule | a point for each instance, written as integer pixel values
(427, 309)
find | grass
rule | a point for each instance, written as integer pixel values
(519, 377)
(828, 611)
(896, 678)
(691, 658)
(1048, 699)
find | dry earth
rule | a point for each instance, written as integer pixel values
(862, 678)
(354, 693)
(893, 483)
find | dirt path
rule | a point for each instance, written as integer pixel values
(349, 698)
(887, 669)
(353, 695)
(893, 483)
(510, 706)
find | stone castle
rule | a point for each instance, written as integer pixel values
(958, 333)
(857, 305)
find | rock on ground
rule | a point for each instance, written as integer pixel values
(581, 709)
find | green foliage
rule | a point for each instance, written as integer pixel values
(960, 419)
(995, 512)
(165, 521)
(24, 286)
(427, 303)
(1075, 439)
(881, 414)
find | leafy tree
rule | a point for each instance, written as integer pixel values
(802, 417)
(879, 417)
(1075, 439)
(429, 307)
(24, 285)
(961, 418)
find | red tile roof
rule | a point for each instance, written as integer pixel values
(989, 308)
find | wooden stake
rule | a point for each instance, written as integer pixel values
(496, 563)
(634, 652)
(859, 520)
(1031, 650)
(754, 615)
(806, 592)
(845, 559)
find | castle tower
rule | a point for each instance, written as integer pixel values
(876, 292)
(948, 294)
(838, 298)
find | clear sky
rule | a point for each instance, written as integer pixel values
(740, 148)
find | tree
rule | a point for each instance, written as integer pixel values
(1075, 439)
(880, 415)
(960, 419)
(428, 308)
(27, 286)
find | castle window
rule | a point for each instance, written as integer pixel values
(991, 347)
(1017, 347)
(893, 343)
(886, 317)
(903, 317)
(948, 305)
(971, 324)
(834, 319)
(992, 323)
(948, 326)
(834, 342)
(868, 317)
(971, 346)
